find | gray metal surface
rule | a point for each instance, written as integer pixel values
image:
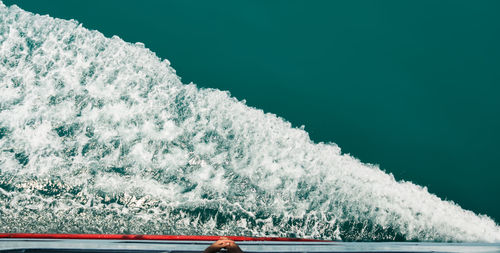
(68, 245)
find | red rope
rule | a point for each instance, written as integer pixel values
(148, 237)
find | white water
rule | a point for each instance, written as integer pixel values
(100, 136)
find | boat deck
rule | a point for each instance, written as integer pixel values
(132, 246)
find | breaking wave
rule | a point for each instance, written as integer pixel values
(98, 135)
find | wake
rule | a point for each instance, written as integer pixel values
(100, 136)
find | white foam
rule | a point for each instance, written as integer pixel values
(101, 136)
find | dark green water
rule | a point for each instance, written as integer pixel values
(413, 86)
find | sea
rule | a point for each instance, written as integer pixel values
(363, 121)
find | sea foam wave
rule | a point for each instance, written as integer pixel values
(100, 136)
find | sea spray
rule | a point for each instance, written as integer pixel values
(100, 136)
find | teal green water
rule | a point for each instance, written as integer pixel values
(411, 86)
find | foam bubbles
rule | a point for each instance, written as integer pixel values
(100, 136)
